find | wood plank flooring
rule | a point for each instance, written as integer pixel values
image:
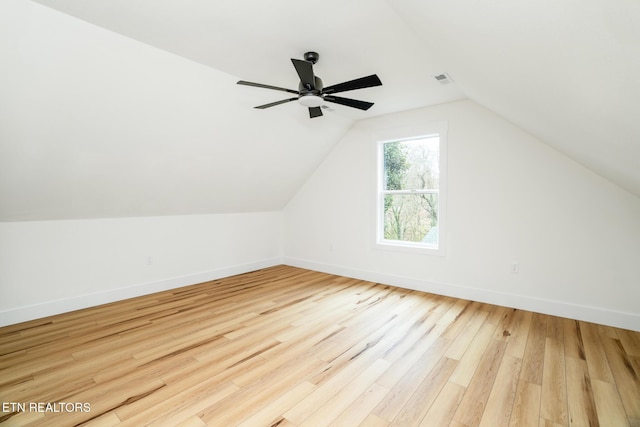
(287, 347)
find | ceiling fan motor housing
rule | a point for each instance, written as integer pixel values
(317, 82)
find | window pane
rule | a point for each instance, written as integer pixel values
(412, 165)
(395, 165)
(411, 218)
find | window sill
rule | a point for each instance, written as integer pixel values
(408, 247)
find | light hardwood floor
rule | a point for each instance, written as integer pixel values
(290, 347)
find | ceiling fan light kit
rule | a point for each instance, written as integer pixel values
(311, 100)
(311, 92)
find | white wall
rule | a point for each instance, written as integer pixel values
(511, 198)
(48, 267)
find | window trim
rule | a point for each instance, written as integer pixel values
(408, 134)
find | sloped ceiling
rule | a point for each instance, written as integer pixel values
(566, 71)
(133, 110)
(130, 108)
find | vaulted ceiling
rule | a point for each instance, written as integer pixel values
(130, 107)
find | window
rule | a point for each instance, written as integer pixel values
(410, 193)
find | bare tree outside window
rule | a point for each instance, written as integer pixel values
(410, 190)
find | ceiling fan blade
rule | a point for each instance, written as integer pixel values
(315, 112)
(305, 72)
(242, 82)
(362, 105)
(360, 83)
(273, 104)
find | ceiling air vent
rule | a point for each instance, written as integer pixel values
(443, 78)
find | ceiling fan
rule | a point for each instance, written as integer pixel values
(312, 94)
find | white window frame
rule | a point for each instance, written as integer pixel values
(438, 129)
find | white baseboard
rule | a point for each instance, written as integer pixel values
(539, 305)
(50, 308)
